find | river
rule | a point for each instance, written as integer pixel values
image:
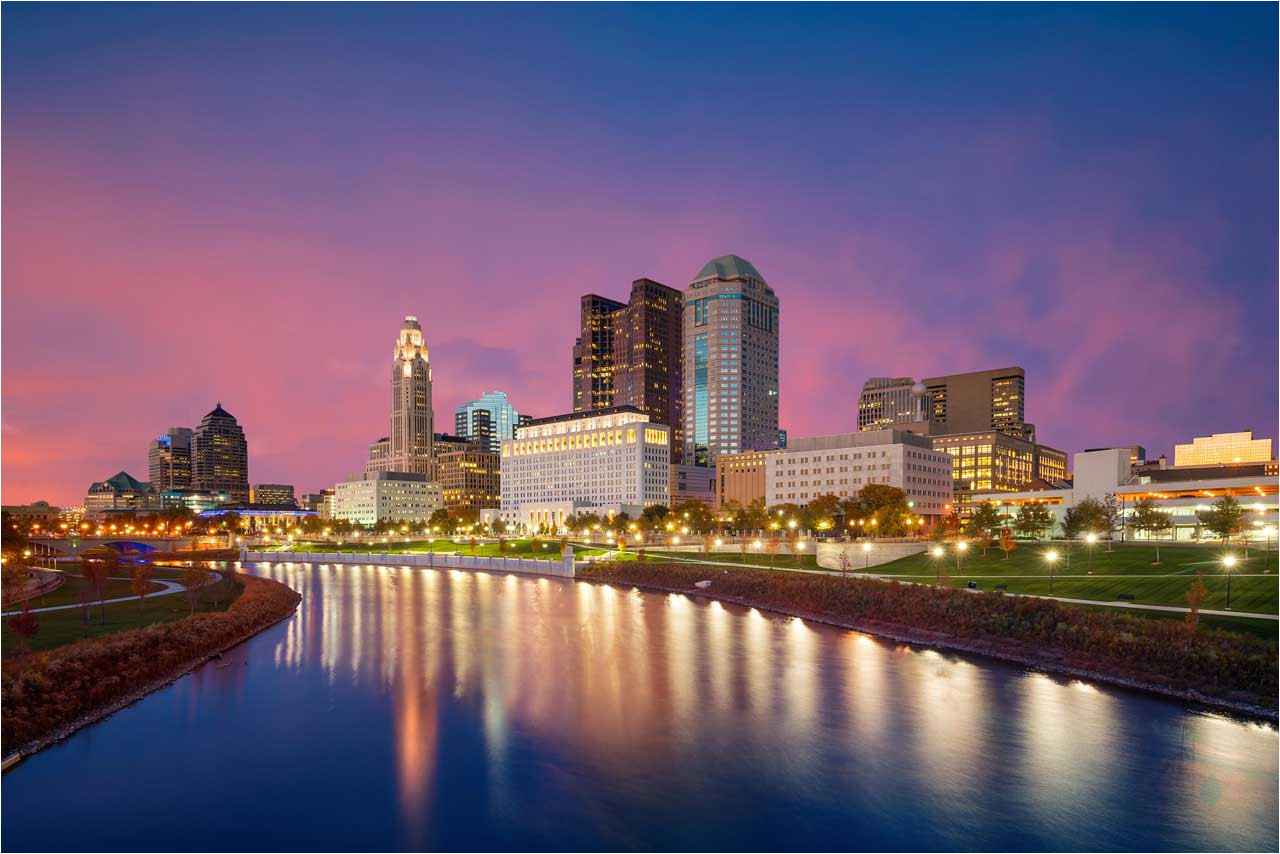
(435, 709)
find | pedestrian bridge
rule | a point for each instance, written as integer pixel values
(74, 546)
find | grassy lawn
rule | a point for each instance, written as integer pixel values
(63, 627)
(68, 593)
(543, 549)
(1126, 569)
(781, 560)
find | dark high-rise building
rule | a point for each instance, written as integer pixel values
(630, 354)
(980, 400)
(220, 456)
(593, 354)
(169, 460)
(490, 418)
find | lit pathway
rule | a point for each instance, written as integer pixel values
(1177, 609)
(170, 587)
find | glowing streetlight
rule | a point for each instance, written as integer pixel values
(1091, 538)
(961, 547)
(866, 556)
(1051, 557)
(937, 553)
(1228, 564)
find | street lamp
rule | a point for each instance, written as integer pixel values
(937, 562)
(1228, 563)
(1050, 557)
(866, 555)
(960, 549)
(1091, 539)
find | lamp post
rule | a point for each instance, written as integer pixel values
(1051, 557)
(937, 563)
(1228, 563)
(1091, 539)
(866, 556)
(960, 549)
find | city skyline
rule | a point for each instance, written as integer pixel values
(1127, 265)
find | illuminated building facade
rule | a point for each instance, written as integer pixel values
(629, 354)
(992, 461)
(608, 460)
(842, 464)
(121, 492)
(220, 456)
(730, 362)
(407, 447)
(1222, 449)
(469, 480)
(169, 459)
(387, 496)
(273, 493)
(887, 402)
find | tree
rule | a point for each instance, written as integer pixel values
(985, 518)
(13, 581)
(140, 583)
(887, 505)
(844, 563)
(441, 519)
(24, 625)
(822, 512)
(772, 547)
(1108, 514)
(1195, 598)
(98, 565)
(983, 538)
(1223, 518)
(694, 515)
(194, 578)
(1007, 542)
(1149, 519)
(654, 517)
(1072, 523)
(1033, 520)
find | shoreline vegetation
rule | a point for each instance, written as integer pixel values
(49, 695)
(1221, 669)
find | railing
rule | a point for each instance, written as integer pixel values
(563, 568)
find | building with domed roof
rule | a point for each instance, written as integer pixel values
(730, 348)
(220, 456)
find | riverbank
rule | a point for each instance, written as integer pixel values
(1223, 670)
(47, 696)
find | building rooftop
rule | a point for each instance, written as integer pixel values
(122, 481)
(589, 413)
(728, 267)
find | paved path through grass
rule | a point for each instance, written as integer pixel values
(169, 588)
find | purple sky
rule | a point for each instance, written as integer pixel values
(240, 204)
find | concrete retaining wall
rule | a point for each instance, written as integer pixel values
(563, 568)
(880, 552)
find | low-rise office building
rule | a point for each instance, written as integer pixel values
(1222, 449)
(601, 461)
(122, 492)
(740, 477)
(195, 500)
(386, 496)
(992, 461)
(842, 464)
(37, 511)
(693, 483)
(273, 493)
(1178, 491)
(255, 518)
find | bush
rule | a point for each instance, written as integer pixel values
(45, 691)
(1168, 653)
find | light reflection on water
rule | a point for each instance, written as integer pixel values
(413, 708)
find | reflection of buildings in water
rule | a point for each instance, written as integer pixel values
(949, 730)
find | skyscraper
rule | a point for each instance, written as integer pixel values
(220, 456)
(407, 447)
(169, 460)
(490, 418)
(981, 400)
(730, 362)
(593, 354)
(629, 354)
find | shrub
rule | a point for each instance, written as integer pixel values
(44, 691)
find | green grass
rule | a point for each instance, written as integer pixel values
(1126, 569)
(63, 627)
(784, 559)
(68, 593)
(543, 549)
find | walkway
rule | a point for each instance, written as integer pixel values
(906, 580)
(170, 587)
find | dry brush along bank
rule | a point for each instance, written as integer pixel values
(1220, 668)
(49, 695)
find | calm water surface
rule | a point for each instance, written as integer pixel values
(412, 708)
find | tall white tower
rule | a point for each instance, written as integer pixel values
(407, 447)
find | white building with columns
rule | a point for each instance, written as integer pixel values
(603, 461)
